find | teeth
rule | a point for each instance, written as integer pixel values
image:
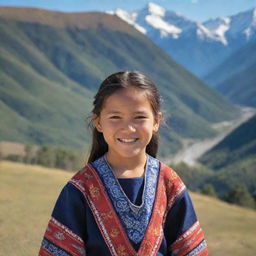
(127, 140)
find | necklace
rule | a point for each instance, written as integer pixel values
(135, 218)
(135, 208)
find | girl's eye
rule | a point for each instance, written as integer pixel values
(140, 117)
(114, 117)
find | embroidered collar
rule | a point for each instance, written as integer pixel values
(134, 218)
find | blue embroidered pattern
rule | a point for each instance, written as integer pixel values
(199, 248)
(134, 218)
(53, 249)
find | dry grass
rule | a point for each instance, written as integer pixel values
(27, 195)
(229, 229)
(11, 148)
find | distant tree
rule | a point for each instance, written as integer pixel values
(254, 195)
(28, 158)
(46, 156)
(14, 158)
(65, 159)
(209, 190)
(62, 158)
(240, 195)
(193, 177)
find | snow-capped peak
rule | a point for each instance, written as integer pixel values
(130, 18)
(126, 16)
(164, 27)
(218, 27)
(203, 32)
(150, 18)
(249, 31)
(254, 15)
(155, 9)
(155, 18)
(158, 23)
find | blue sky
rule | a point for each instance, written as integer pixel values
(199, 10)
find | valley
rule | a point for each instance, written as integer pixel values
(193, 149)
(51, 65)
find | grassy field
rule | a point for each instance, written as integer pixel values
(27, 195)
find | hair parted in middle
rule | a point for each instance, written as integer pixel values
(113, 83)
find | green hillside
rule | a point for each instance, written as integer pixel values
(28, 194)
(238, 145)
(236, 78)
(234, 160)
(51, 64)
(239, 173)
(240, 88)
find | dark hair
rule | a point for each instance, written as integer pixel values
(110, 85)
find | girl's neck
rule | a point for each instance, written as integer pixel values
(127, 168)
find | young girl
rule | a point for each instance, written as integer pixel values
(124, 202)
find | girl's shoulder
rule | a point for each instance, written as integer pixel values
(174, 186)
(168, 172)
(85, 180)
(80, 175)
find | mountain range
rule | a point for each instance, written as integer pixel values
(235, 77)
(198, 46)
(51, 64)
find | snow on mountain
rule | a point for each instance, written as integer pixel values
(242, 22)
(203, 33)
(148, 20)
(155, 20)
(218, 27)
(251, 29)
(199, 46)
(155, 9)
(130, 18)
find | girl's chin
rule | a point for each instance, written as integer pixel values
(127, 154)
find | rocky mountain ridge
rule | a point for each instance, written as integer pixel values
(208, 43)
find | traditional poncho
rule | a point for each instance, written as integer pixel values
(97, 214)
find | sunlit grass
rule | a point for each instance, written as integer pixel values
(28, 193)
(229, 229)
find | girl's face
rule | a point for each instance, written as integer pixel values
(127, 123)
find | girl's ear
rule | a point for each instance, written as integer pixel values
(157, 121)
(96, 123)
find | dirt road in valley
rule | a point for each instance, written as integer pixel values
(193, 149)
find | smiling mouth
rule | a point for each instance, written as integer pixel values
(127, 140)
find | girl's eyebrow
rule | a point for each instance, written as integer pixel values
(113, 112)
(119, 112)
(140, 112)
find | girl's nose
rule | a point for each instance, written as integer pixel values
(129, 126)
